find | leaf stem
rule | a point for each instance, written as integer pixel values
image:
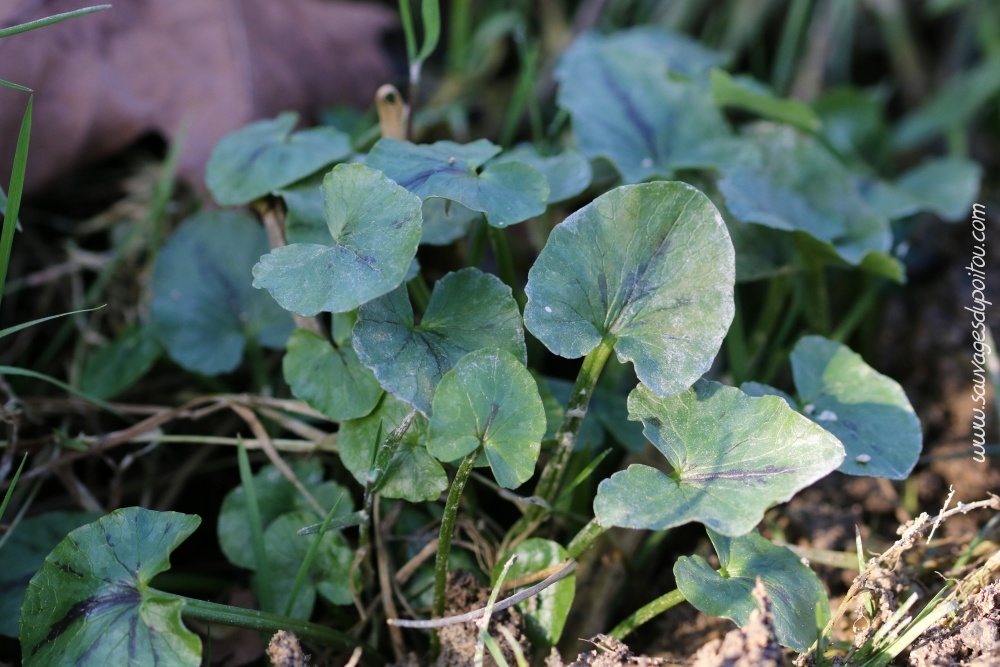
(251, 619)
(444, 541)
(419, 294)
(859, 309)
(646, 613)
(477, 243)
(505, 264)
(555, 468)
(818, 303)
(788, 47)
(583, 539)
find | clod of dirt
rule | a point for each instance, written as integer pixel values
(458, 642)
(609, 653)
(972, 640)
(753, 645)
(285, 651)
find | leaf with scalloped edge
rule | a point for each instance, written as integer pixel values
(266, 155)
(330, 379)
(468, 310)
(626, 108)
(375, 228)
(946, 187)
(507, 192)
(413, 474)
(649, 268)
(733, 456)
(90, 603)
(567, 173)
(866, 410)
(203, 308)
(489, 400)
(793, 589)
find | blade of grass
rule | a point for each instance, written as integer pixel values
(788, 47)
(15, 86)
(10, 489)
(49, 20)
(25, 506)
(346, 521)
(494, 649)
(300, 577)
(24, 372)
(514, 645)
(584, 474)
(430, 12)
(264, 595)
(14, 193)
(14, 329)
(484, 622)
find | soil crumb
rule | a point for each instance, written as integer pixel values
(285, 651)
(753, 645)
(609, 653)
(972, 640)
(458, 642)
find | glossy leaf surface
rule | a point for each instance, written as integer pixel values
(568, 174)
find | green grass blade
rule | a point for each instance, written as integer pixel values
(406, 18)
(300, 578)
(584, 474)
(346, 521)
(14, 329)
(14, 194)
(15, 86)
(24, 372)
(264, 590)
(10, 489)
(494, 649)
(430, 12)
(49, 20)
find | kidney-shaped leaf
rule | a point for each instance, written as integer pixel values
(24, 552)
(507, 192)
(375, 228)
(90, 604)
(868, 411)
(413, 474)
(733, 456)
(793, 589)
(627, 110)
(468, 310)
(489, 399)
(648, 267)
(946, 187)
(204, 308)
(568, 173)
(546, 612)
(330, 379)
(795, 184)
(276, 496)
(265, 156)
(445, 221)
(116, 366)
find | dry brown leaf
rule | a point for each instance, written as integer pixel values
(105, 79)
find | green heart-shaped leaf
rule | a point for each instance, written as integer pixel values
(946, 187)
(90, 604)
(546, 612)
(868, 411)
(374, 226)
(413, 474)
(506, 192)
(489, 400)
(627, 110)
(329, 574)
(793, 589)
(733, 456)
(445, 221)
(468, 310)
(648, 267)
(568, 173)
(265, 156)
(275, 496)
(678, 53)
(330, 379)
(204, 308)
(115, 367)
(795, 184)
(24, 552)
